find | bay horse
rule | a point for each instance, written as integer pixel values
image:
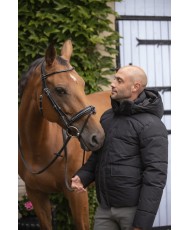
(53, 100)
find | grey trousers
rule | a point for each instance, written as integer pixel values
(114, 218)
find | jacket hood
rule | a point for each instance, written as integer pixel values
(149, 101)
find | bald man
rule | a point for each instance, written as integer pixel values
(130, 170)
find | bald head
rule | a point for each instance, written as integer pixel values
(128, 83)
(136, 74)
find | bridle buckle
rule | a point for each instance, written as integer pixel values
(72, 131)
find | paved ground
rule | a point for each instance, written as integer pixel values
(33, 225)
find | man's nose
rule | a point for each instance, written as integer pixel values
(112, 84)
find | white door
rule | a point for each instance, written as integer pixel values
(145, 30)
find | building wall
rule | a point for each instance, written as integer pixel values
(144, 7)
(21, 188)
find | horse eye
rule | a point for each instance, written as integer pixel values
(60, 90)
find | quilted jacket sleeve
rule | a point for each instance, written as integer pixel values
(87, 171)
(154, 154)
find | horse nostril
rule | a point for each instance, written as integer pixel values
(94, 140)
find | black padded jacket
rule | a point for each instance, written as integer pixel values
(131, 167)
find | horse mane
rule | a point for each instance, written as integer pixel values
(25, 76)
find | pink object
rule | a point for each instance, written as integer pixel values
(28, 205)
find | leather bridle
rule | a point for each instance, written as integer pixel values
(71, 130)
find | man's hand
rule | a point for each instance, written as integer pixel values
(137, 228)
(77, 185)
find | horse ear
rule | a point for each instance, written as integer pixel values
(67, 50)
(50, 54)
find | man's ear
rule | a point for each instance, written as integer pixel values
(136, 87)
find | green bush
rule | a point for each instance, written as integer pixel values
(62, 212)
(41, 22)
(62, 218)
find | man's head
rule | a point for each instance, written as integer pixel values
(128, 83)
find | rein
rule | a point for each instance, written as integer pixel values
(58, 154)
(71, 130)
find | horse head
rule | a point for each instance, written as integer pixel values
(62, 98)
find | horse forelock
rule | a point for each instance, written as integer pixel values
(62, 61)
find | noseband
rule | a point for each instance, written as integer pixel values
(71, 130)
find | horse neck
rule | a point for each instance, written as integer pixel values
(34, 130)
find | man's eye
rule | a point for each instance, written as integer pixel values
(60, 90)
(117, 79)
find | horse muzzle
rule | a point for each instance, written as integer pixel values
(92, 142)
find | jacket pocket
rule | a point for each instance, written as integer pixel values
(125, 171)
